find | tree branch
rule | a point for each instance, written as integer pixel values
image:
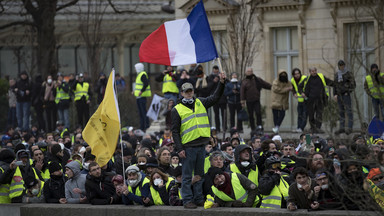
(121, 11)
(17, 23)
(67, 5)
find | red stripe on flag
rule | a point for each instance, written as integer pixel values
(154, 49)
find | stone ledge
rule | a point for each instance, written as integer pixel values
(117, 210)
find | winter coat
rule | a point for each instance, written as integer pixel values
(77, 181)
(233, 97)
(54, 189)
(280, 94)
(100, 190)
(251, 87)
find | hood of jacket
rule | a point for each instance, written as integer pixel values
(239, 149)
(75, 167)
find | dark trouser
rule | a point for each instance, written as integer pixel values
(50, 114)
(378, 108)
(12, 121)
(142, 108)
(315, 112)
(254, 107)
(82, 112)
(301, 115)
(232, 109)
(345, 107)
(217, 108)
(278, 116)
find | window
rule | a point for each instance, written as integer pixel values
(361, 54)
(285, 49)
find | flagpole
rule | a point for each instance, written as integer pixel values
(121, 137)
(220, 65)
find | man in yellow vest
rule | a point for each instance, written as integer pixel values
(245, 164)
(62, 99)
(83, 96)
(191, 132)
(6, 158)
(315, 91)
(374, 86)
(297, 79)
(142, 91)
(273, 186)
(169, 78)
(232, 190)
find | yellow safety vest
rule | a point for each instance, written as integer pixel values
(207, 164)
(169, 85)
(240, 193)
(194, 124)
(156, 196)
(61, 95)
(322, 80)
(139, 86)
(300, 98)
(377, 92)
(62, 132)
(81, 91)
(46, 175)
(273, 200)
(17, 187)
(4, 192)
(209, 202)
(253, 174)
(138, 191)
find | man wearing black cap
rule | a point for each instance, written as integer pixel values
(344, 84)
(83, 97)
(374, 86)
(191, 132)
(54, 188)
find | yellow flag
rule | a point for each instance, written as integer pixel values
(102, 130)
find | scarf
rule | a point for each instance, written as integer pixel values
(340, 74)
(201, 81)
(227, 186)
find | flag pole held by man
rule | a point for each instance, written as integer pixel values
(102, 130)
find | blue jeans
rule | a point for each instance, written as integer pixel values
(193, 163)
(345, 106)
(142, 108)
(301, 115)
(278, 116)
(378, 107)
(12, 121)
(64, 117)
(171, 96)
(23, 111)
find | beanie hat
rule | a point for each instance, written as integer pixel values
(55, 149)
(152, 162)
(213, 171)
(7, 156)
(374, 66)
(132, 169)
(118, 178)
(19, 147)
(30, 182)
(54, 166)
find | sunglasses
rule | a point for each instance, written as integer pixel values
(276, 166)
(320, 174)
(378, 178)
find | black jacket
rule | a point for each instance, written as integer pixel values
(176, 120)
(54, 190)
(100, 190)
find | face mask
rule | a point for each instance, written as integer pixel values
(85, 165)
(245, 163)
(234, 80)
(35, 191)
(49, 81)
(325, 187)
(132, 183)
(188, 101)
(157, 181)
(299, 186)
(175, 165)
(68, 145)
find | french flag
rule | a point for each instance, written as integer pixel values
(181, 42)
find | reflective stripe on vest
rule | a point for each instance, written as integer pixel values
(253, 175)
(81, 91)
(4, 193)
(376, 92)
(273, 200)
(61, 95)
(169, 85)
(240, 193)
(138, 189)
(17, 187)
(155, 194)
(299, 96)
(139, 85)
(194, 124)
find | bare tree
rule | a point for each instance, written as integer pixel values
(40, 14)
(242, 35)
